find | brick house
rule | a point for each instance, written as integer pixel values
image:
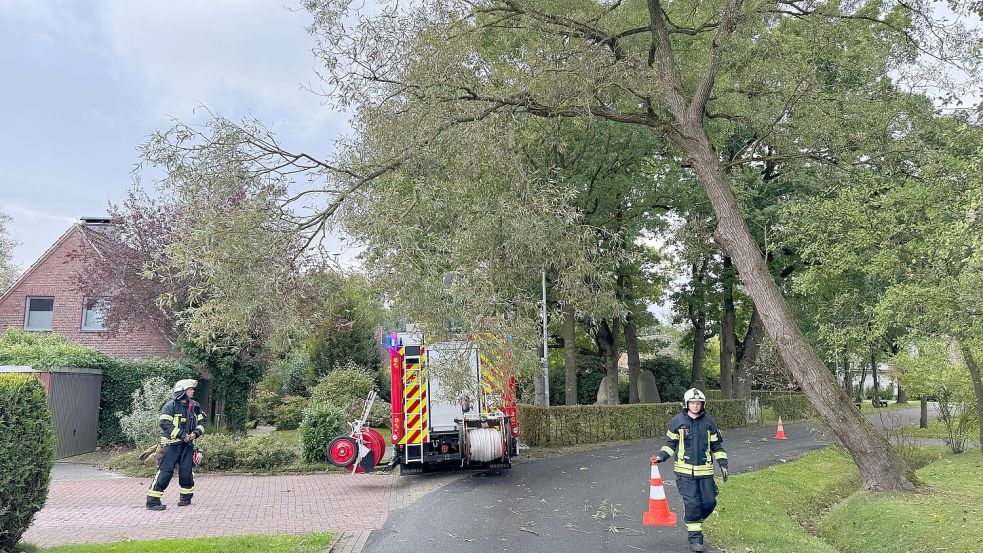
(45, 298)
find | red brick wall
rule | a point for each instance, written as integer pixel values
(54, 276)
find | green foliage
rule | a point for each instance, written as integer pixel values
(344, 386)
(310, 543)
(120, 379)
(233, 377)
(290, 413)
(791, 406)
(226, 452)
(8, 269)
(671, 376)
(323, 422)
(43, 350)
(583, 424)
(346, 333)
(141, 424)
(26, 454)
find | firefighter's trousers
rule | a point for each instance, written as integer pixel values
(699, 500)
(179, 455)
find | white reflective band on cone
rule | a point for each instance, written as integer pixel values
(657, 492)
(655, 472)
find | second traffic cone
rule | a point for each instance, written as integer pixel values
(658, 513)
(780, 435)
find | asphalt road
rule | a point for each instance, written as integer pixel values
(583, 502)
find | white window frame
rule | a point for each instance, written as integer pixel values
(85, 309)
(27, 313)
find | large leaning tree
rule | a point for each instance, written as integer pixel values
(692, 72)
(796, 83)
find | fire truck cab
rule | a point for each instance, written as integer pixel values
(430, 430)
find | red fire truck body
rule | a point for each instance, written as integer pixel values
(429, 430)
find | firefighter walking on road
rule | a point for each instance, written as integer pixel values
(694, 442)
(181, 423)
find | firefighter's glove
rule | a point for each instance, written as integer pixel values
(654, 460)
(725, 473)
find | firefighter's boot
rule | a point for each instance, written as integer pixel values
(184, 501)
(154, 504)
(696, 541)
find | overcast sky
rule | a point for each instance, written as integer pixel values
(84, 82)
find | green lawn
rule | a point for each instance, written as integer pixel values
(947, 516)
(867, 407)
(936, 429)
(776, 510)
(310, 543)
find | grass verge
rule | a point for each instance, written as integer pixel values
(777, 509)
(765, 511)
(946, 515)
(936, 429)
(310, 543)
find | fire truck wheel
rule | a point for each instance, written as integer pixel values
(342, 451)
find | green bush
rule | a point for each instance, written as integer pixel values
(581, 424)
(344, 386)
(323, 422)
(224, 452)
(290, 414)
(120, 379)
(26, 454)
(265, 453)
(43, 350)
(791, 406)
(221, 451)
(671, 376)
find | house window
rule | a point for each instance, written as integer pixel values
(94, 311)
(38, 315)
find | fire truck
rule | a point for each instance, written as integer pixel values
(430, 430)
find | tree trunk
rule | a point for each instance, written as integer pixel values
(923, 418)
(873, 372)
(634, 361)
(569, 354)
(881, 468)
(974, 373)
(607, 340)
(748, 355)
(847, 375)
(699, 351)
(538, 386)
(615, 353)
(728, 331)
(863, 378)
(902, 394)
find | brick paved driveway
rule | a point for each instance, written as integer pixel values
(105, 510)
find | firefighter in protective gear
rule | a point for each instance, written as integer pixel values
(181, 423)
(694, 442)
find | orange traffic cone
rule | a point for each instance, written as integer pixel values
(658, 513)
(780, 435)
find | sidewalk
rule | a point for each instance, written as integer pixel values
(96, 508)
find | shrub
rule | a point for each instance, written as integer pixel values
(323, 422)
(264, 453)
(289, 415)
(344, 386)
(790, 406)
(671, 376)
(43, 350)
(579, 424)
(120, 379)
(26, 454)
(142, 424)
(221, 451)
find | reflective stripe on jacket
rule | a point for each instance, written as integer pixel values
(694, 444)
(178, 418)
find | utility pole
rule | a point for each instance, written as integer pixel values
(546, 361)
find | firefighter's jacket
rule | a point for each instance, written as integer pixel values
(178, 418)
(693, 444)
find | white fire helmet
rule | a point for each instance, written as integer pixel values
(183, 385)
(693, 395)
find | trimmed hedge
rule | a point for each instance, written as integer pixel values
(119, 380)
(44, 350)
(27, 454)
(791, 406)
(586, 424)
